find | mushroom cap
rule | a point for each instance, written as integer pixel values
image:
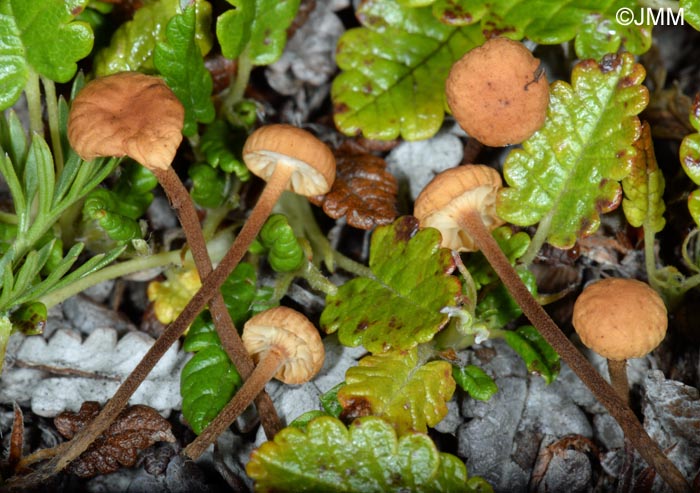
(454, 191)
(620, 318)
(127, 114)
(312, 160)
(498, 92)
(291, 333)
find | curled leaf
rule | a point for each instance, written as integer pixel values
(690, 159)
(474, 381)
(285, 252)
(364, 192)
(209, 186)
(135, 429)
(538, 355)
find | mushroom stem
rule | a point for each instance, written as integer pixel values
(606, 395)
(617, 369)
(267, 368)
(231, 341)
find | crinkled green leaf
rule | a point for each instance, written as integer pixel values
(306, 418)
(644, 187)
(538, 355)
(411, 287)
(209, 186)
(40, 36)
(222, 149)
(474, 381)
(207, 383)
(257, 26)
(133, 43)
(567, 173)
(366, 457)
(592, 22)
(689, 155)
(394, 71)
(691, 12)
(285, 252)
(180, 62)
(399, 387)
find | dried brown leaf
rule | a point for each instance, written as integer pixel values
(16, 437)
(364, 192)
(136, 428)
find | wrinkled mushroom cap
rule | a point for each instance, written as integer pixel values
(127, 114)
(498, 92)
(281, 144)
(620, 318)
(290, 333)
(454, 191)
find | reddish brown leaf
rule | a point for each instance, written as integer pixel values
(136, 428)
(364, 192)
(16, 438)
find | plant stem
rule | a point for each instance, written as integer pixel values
(264, 371)
(650, 257)
(52, 112)
(316, 279)
(537, 241)
(618, 379)
(33, 93)
(606, 395)
(237, 90)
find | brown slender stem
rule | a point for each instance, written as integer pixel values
(606, 395)
(266, 369)
(210, 286)
(225, 328)
(618, 379)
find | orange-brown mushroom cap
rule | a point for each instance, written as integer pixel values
(127, 114)
(451, 193)
(281, 144)
(290, 333)
(620, 318)
(498, 92)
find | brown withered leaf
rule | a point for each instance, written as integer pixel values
(364, 192)
(136, 428)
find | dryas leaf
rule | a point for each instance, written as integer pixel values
(474, 381)
(644, 187)
(412, 285)
(180, 62)
(364, 192)
(691, 12)
(135, 429)
(40, 36)
(366, 457)
(285, 252)
(690, 159)
(257, 27)
(538, 355)
(394, 70)
(400, 388)
(567, 173)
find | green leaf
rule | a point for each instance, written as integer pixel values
(209, 186)
(538, 355)
(567, 173)
(413, 284)
(5, 331)
(257, 27)
(285, 252)
(398, 387)
(367, 457)
(513, 245)
(330, 402)
(689, 155)
(207, 383)
(180, 62)
(30, 318)
(103, 206)
(394, 70)
(40, 36)
(691, 12)
(133, 43)
(644, 187)
(221, 148)
(496, 307)
(593, 23)
(474, 381)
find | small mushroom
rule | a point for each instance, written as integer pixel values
(620, 319)
(287, 346)
(498, 92)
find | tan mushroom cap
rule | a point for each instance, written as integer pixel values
(312, 160)
(620, 318)
(127, 114)
(451, 193)
(291, 333)
(498, 92)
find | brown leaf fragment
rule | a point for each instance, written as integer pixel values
(136, 428)
(364, 192)
(16, 438)
(559, 448)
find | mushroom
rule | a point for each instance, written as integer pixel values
(459, 202)
(286, 346)
(620, 319)
(498, 92)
